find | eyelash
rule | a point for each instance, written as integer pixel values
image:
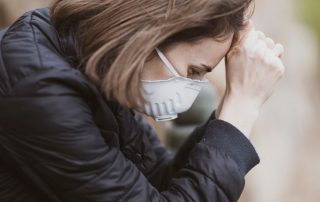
(194, 73)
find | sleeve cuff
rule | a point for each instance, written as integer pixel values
(227, 138)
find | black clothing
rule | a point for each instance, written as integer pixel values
(61, 140)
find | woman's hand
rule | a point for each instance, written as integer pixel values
(253, 68)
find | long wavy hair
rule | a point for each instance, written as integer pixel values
(114, 38)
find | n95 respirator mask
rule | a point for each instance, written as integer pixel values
(167, 98)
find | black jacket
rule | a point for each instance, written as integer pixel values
(61, 140)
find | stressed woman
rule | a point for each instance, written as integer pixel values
(75, 78)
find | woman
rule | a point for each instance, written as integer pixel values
(73, 77)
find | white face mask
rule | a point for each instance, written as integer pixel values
(167, 98)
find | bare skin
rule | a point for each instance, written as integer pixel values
(253, 68)
(188, 59)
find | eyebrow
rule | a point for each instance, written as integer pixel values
(203, 66)
(208, 68)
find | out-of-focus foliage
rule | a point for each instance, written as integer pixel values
(311, 14)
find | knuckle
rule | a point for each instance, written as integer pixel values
(273, 64)
(257, 55)
(235, 51)
(280, 70)
(269, 58)
(261, 34)
(270, 40)
(283, 70)
(245, 51)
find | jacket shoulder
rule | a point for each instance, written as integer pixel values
(29, 45)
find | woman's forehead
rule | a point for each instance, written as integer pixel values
(207, 51)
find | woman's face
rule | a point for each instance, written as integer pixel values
(189, 60)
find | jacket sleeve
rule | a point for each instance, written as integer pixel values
(235, 145)
(51, 130)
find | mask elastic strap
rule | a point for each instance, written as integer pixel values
(168, 65)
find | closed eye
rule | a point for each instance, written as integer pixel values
(195, 73)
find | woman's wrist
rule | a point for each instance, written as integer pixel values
(240, 112)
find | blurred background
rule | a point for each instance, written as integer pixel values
(286, 135)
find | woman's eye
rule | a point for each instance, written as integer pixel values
(194, 74)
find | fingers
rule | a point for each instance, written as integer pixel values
(247, 29)
(270, 43)
(255, 39)
(261, 49)
(278, 50)
(243, 34)
(251, 40)
(261, 35)
(269, 55)
(277, 63)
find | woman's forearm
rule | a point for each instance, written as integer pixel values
(240, 112)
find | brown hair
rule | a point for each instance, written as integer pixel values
(114, 38)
